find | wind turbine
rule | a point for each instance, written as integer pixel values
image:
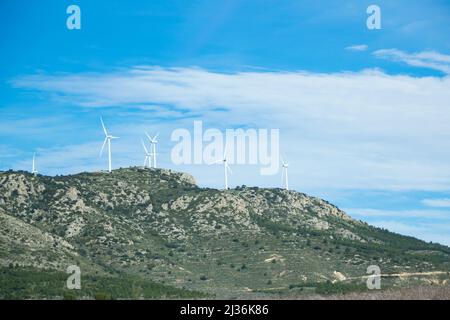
(148, 156)
(108, 139)
(226, 167)
(153, 143)
(33, 167)
(284, 173)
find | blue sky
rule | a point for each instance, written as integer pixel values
(364, 115)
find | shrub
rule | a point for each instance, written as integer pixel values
(102, 296)
(68, 295)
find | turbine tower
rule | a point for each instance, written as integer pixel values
(33, 167)
(108, 139)
(153, 143)
(148, 156)
(226, 168)
(284, 173)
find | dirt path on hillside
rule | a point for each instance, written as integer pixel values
(402, 275)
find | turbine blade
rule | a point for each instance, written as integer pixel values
(148, 136)
(145, 148)
(103, 146)
(225, 151)
(104, 128)
(156, 137)
(229, 169)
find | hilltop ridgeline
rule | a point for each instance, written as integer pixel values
(158, 225)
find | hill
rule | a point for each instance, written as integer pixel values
(157, 229)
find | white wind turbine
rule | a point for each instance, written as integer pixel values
(33, 167)
(153, 143)
(148, 156)
(108, 139)
(284, 173)
(226, 167)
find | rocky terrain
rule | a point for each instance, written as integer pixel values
(164, 234)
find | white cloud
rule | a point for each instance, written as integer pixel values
(440, 203)
(68, 159)
(425, 59)
(357, 47)
(364, 130)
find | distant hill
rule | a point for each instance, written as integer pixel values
(154, 233)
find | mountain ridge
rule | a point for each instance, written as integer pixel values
(158, 224)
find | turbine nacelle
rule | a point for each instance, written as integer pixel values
(153, 140)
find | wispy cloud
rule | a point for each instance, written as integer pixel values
(425, 59)
(368, 129)
(357, 47)
(439, 203)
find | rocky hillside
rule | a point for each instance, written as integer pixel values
(157, 225)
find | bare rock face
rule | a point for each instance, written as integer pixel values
(155, 198)
(26, 245)
(20, 187)
(187, 178)
(181, 203)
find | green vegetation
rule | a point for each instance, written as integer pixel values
(30, 283)
(327, 287)
(150, 233)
